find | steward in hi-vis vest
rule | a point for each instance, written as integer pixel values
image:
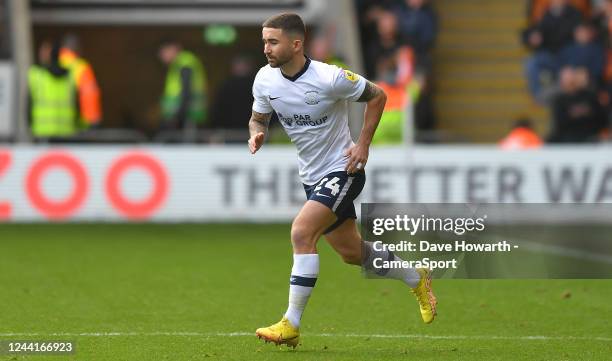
(89, 91)
(52, 97)
(184, 95)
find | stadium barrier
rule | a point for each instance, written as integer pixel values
(225, 183)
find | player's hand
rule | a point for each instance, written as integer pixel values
(255, 142)
(357, 158)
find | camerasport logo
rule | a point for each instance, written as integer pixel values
(75, 169)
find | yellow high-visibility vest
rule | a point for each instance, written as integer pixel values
(53, 103)
(172, 93)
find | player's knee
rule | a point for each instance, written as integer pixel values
(302, 238)
(351, 256)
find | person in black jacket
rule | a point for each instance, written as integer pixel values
(234, 99)
(577, 114)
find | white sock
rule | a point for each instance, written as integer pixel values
(409, 275)
(303, 278)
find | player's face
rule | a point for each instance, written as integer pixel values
(278, 47)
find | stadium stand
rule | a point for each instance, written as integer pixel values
(480, 88)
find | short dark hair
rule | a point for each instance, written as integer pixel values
(523, 122)
(169, 42)
(288, 22)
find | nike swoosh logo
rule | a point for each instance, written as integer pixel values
(323, 195)
(273, 98)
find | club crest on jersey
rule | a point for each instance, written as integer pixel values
(350, 76)
(311, 97)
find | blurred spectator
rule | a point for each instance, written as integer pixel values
(52, 96)
(394, 70)
(371, 11)
(418, 26)
(603, 23)
(83, 75)
(183, 103)
(522, 136)
(577, 114)
(320, 48)
(584, 52)
(537, 8)
(602, 20)
(394, 60)
(234, 98)
(554, 31)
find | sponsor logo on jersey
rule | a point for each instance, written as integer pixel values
(287, 121)
(302, 120)
(349, 75)
(311, 123)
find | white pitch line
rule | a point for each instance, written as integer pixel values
(343, 335)
(556, 250)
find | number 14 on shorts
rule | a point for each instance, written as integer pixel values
(329, 184)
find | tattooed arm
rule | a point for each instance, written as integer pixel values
(375, 99)
(258, 128)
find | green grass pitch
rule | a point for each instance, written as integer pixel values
(198, 292)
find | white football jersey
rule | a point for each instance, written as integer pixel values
(312, 107)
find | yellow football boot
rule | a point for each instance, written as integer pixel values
(425, 296)
(280, 333)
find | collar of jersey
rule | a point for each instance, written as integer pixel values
(299, 73)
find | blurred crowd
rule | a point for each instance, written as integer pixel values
(64, 99)
(63, 96)
(569, 70)
(570, 66)
(397, 39)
